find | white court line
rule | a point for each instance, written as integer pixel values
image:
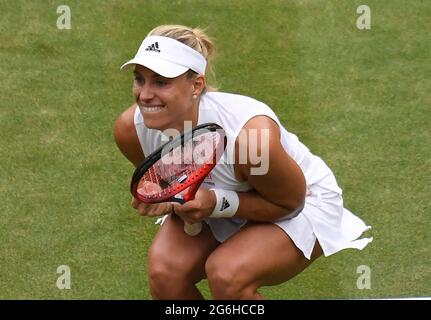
(404, 298)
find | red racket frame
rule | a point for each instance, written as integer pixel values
(194, 179)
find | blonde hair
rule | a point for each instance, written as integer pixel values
(195, 38)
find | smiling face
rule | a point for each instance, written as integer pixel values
(166, 102)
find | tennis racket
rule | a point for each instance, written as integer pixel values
(174, 172)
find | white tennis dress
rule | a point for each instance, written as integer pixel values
(323, 216)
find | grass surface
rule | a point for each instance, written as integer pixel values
(359, 99)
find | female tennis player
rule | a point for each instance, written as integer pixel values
(269, 208)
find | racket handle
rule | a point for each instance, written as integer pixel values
(192, 229)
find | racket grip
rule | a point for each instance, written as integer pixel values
(192, 229)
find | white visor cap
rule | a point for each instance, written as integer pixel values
(168, 57)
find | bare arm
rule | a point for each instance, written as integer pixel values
(127, 141)
(282, 189)
(126, 137)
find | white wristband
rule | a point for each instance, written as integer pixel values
(227, 203)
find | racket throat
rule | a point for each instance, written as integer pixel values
(190, 195)
(178, 198)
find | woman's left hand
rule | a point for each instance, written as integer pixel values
(197, 209)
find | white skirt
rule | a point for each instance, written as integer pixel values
(323, 218)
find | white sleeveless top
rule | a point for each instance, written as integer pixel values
(323, 216)
(232, 112)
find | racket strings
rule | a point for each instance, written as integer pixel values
(169, 173)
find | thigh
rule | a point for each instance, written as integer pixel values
(173, 249)
(263, 254)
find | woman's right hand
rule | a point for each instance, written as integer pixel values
(152, 210)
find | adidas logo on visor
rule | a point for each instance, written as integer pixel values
(153, 47)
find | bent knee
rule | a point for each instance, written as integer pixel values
(229, 280)
(164, 266)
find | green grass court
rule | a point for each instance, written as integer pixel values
(357, 98)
